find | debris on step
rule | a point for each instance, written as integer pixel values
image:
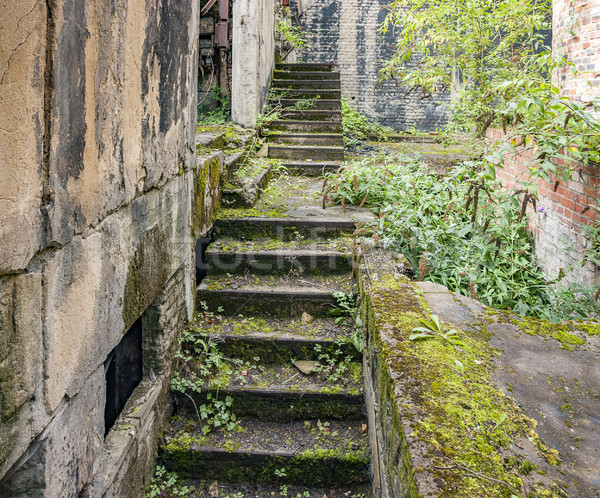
(306, 366)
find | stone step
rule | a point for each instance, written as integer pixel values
(317, 153)
(306, 84)
(306, 75)
(245, 192)
(278, 339)
(271, 296)
(223, 489)
(334, 453)
(335, 139)
(312, 115)
(282, 393)
(309, 126)
(310, 66)
(313, 168)
(251, 228)
(309, 93)
(276, 257)
(319, 103)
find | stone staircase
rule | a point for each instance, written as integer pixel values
(308, 137)
(289, 369)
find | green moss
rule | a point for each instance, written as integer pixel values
(561, 332)
(462, 417)
(590, 328)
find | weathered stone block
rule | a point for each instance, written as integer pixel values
(20, 341)
(22, 65)
(81, 308)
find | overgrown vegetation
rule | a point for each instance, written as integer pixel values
(358, 126)
(222, 111)
(494, 58)
(461, 230)
(290, 33)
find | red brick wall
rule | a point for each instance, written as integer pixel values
(576, 30)
(561, 212)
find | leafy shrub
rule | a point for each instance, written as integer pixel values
(222, 112)
(462, 231)
(358, 126)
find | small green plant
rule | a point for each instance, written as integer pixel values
(345, 311)
(292, 34)
(280, 472)
(333, 366)
(217, 413)
(433, 329)
(305, 104)
(198, 360)
(165, 484)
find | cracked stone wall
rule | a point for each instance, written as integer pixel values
(346, 32)
(98, 176)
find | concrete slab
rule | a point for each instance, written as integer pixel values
(556, 384)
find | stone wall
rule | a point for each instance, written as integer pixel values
(253, 58)
(576, 26)
(347, 33)
(101, 199)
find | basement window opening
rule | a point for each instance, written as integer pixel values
(124, 370)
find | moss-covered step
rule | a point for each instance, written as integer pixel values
(282, 393)
(279, 340)
(285, 229)
(246, 185)
(306, 75)
(308, 126)
(312, 115)
(330, 139)
(306, 66)
(317, 103)
(319, 84)
(308, 93)
(317, 153)
(311, 452)
(272, 296)
(277, 257)
(313, 168)
(300, 200)
(202, 489)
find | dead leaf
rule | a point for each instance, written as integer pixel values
(363, 428)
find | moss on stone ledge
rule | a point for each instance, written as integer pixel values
(460, 431)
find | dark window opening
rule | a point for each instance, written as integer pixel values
(124, 370)
(201, 263)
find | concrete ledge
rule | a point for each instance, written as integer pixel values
(510, 409)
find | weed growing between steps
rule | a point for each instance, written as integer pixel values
(461, 230)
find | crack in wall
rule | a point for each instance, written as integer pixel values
(14, 51)
(47, 194)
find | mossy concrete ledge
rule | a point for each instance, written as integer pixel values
(505, 407)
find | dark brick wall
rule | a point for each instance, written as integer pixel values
(346, 32)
